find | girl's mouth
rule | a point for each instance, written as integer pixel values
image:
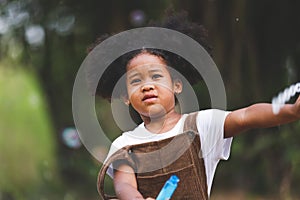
(149, 97)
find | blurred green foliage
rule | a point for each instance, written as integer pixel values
(27, 144)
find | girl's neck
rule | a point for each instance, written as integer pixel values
(161, 124)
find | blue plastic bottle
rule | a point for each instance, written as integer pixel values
(168, 189)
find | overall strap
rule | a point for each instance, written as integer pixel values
(121, 154)
(190, 122)
(191, 125)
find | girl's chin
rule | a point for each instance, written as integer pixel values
(155, 111)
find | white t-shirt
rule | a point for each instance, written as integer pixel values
(210, 125)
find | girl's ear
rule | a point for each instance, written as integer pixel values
(125, 99)
(177, 86)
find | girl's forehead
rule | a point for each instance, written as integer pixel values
(145, 59)
(148, 68)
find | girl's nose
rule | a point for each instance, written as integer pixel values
(147, 87)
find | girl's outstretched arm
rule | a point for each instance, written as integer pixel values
(260, 116)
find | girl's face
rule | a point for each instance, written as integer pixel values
(150, 86)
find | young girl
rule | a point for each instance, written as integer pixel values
(168, 142)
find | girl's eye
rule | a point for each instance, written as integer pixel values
(156, 76)
(135, 81)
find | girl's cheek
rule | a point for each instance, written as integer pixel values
(132, 91)
(134, 95)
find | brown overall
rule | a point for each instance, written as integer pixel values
(154, 163)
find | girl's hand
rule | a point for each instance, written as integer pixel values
(297, 107)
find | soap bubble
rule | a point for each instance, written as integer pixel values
(137, 18)
(71, 138)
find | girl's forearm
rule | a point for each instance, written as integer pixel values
(126, 191)
(261, 115)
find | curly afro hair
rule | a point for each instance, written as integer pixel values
(177, 21)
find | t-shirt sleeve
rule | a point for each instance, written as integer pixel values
(115, 146)
(210, 124)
